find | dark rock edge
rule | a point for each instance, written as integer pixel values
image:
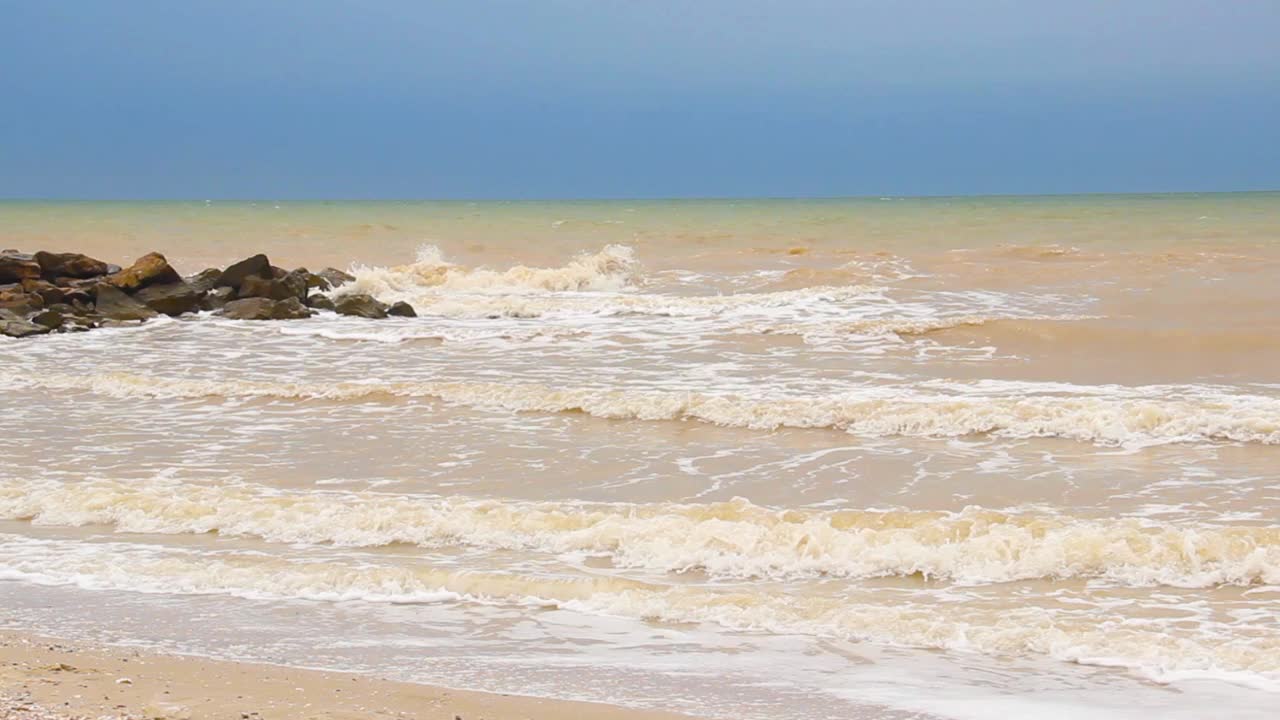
(46, 292)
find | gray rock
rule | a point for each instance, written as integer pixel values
(217, 297)
(320, 302)
(75, 317)
(359, 305)
(256, 308)
(290, 286)
(298, 281)
(51, 317)
(205, 280)
(53, 294)
(335, 277)
(19, 301)
(16, 267)
(314, 280)
(15, 325)
(292, 309)
(256, 266)
(85, 284)
(260, 308)
(401, 309)
(113, 304)
(70, 265)
(171, 299)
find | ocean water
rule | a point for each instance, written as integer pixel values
(873, 458)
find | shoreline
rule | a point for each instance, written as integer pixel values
(43, 678)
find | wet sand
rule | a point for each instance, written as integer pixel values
(46, 678)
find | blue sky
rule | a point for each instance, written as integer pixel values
(644, 98)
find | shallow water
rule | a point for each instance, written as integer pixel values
(872, 458)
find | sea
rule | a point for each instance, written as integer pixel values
(967, 457)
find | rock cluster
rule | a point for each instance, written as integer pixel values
(46, 292)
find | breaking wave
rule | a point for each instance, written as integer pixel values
(471, 305)
(725, 540)
(1125, 417)
(599, 284)
(1161, 654)
(1063, 332)
(612, 269)
(908, 326)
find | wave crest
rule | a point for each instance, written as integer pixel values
(612, 269)
(1120, 419)
(731, 540)
(1165, 653)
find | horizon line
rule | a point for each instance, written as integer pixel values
(633, 198)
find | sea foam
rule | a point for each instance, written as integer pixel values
(731, 540)
(1121, 418)
(1165, 654)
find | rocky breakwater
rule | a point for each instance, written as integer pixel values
(46, 292)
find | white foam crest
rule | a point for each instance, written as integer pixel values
(1158, 655)
(899, 325)
(455, 305)
(392, 332)
(613, 268)
(1165, 653)
(731, 540)
(1119, 418)
(599, 284)
(155, 570)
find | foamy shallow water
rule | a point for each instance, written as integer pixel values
(1032, 480)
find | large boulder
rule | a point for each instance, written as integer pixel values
(53, 294)
(67, 318)
(335, 277)
(51, 317)
(150, 269)
(313, 280)
(47, 291)
(170, 299)
(320, 302)
(113, 304)
(16, 267)
(256, 308)
(14, 325)
(217, 297)
(360, 305)
(253, 286)
(70, 265)
(290, 286)
(299, 283)
(261, 308)
(18, 300)
(292, 309)
(86, 284)
(205, 280)
(256, 266)
(401, 309)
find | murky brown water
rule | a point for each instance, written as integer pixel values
(970, 458)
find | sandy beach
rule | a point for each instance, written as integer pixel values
(47, 678)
